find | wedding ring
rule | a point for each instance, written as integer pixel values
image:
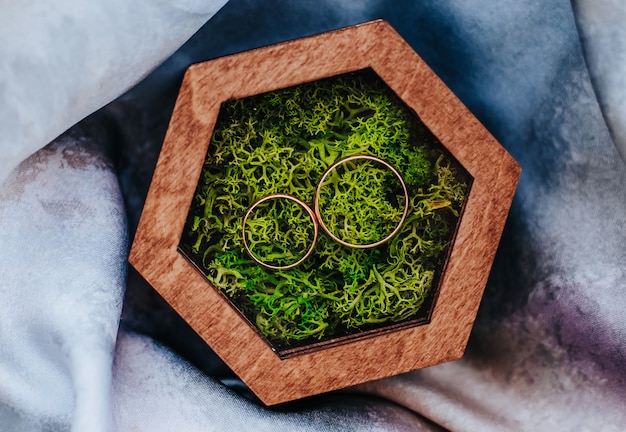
(318, 215)
(275, 197)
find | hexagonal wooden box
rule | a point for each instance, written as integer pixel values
(276, 376)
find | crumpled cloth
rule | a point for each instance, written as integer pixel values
(87, 345)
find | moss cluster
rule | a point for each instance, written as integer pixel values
(282, 142)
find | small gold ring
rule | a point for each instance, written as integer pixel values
(318, 192)
(300, 203)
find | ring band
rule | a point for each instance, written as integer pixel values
(318, 192)
(301, 204)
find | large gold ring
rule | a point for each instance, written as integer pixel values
(318, 192)
(300, 203)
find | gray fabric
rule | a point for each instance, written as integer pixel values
(63, 237)
(603, 37)
(63, 61)
(547, 351)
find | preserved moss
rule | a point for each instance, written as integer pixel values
(282, 142)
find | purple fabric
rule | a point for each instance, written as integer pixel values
(548, 348)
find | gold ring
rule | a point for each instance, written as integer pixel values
(300, 203)
(318, 192)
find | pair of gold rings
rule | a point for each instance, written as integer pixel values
(316, 218)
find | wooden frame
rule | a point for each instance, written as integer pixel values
(206, 85)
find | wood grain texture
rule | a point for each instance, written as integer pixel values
(206, 85)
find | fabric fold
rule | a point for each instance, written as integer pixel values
(61, 63)
(603, 37)
(64, 243)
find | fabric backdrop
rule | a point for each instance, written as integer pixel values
(87, 345)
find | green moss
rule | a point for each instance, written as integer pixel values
(282, 142)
